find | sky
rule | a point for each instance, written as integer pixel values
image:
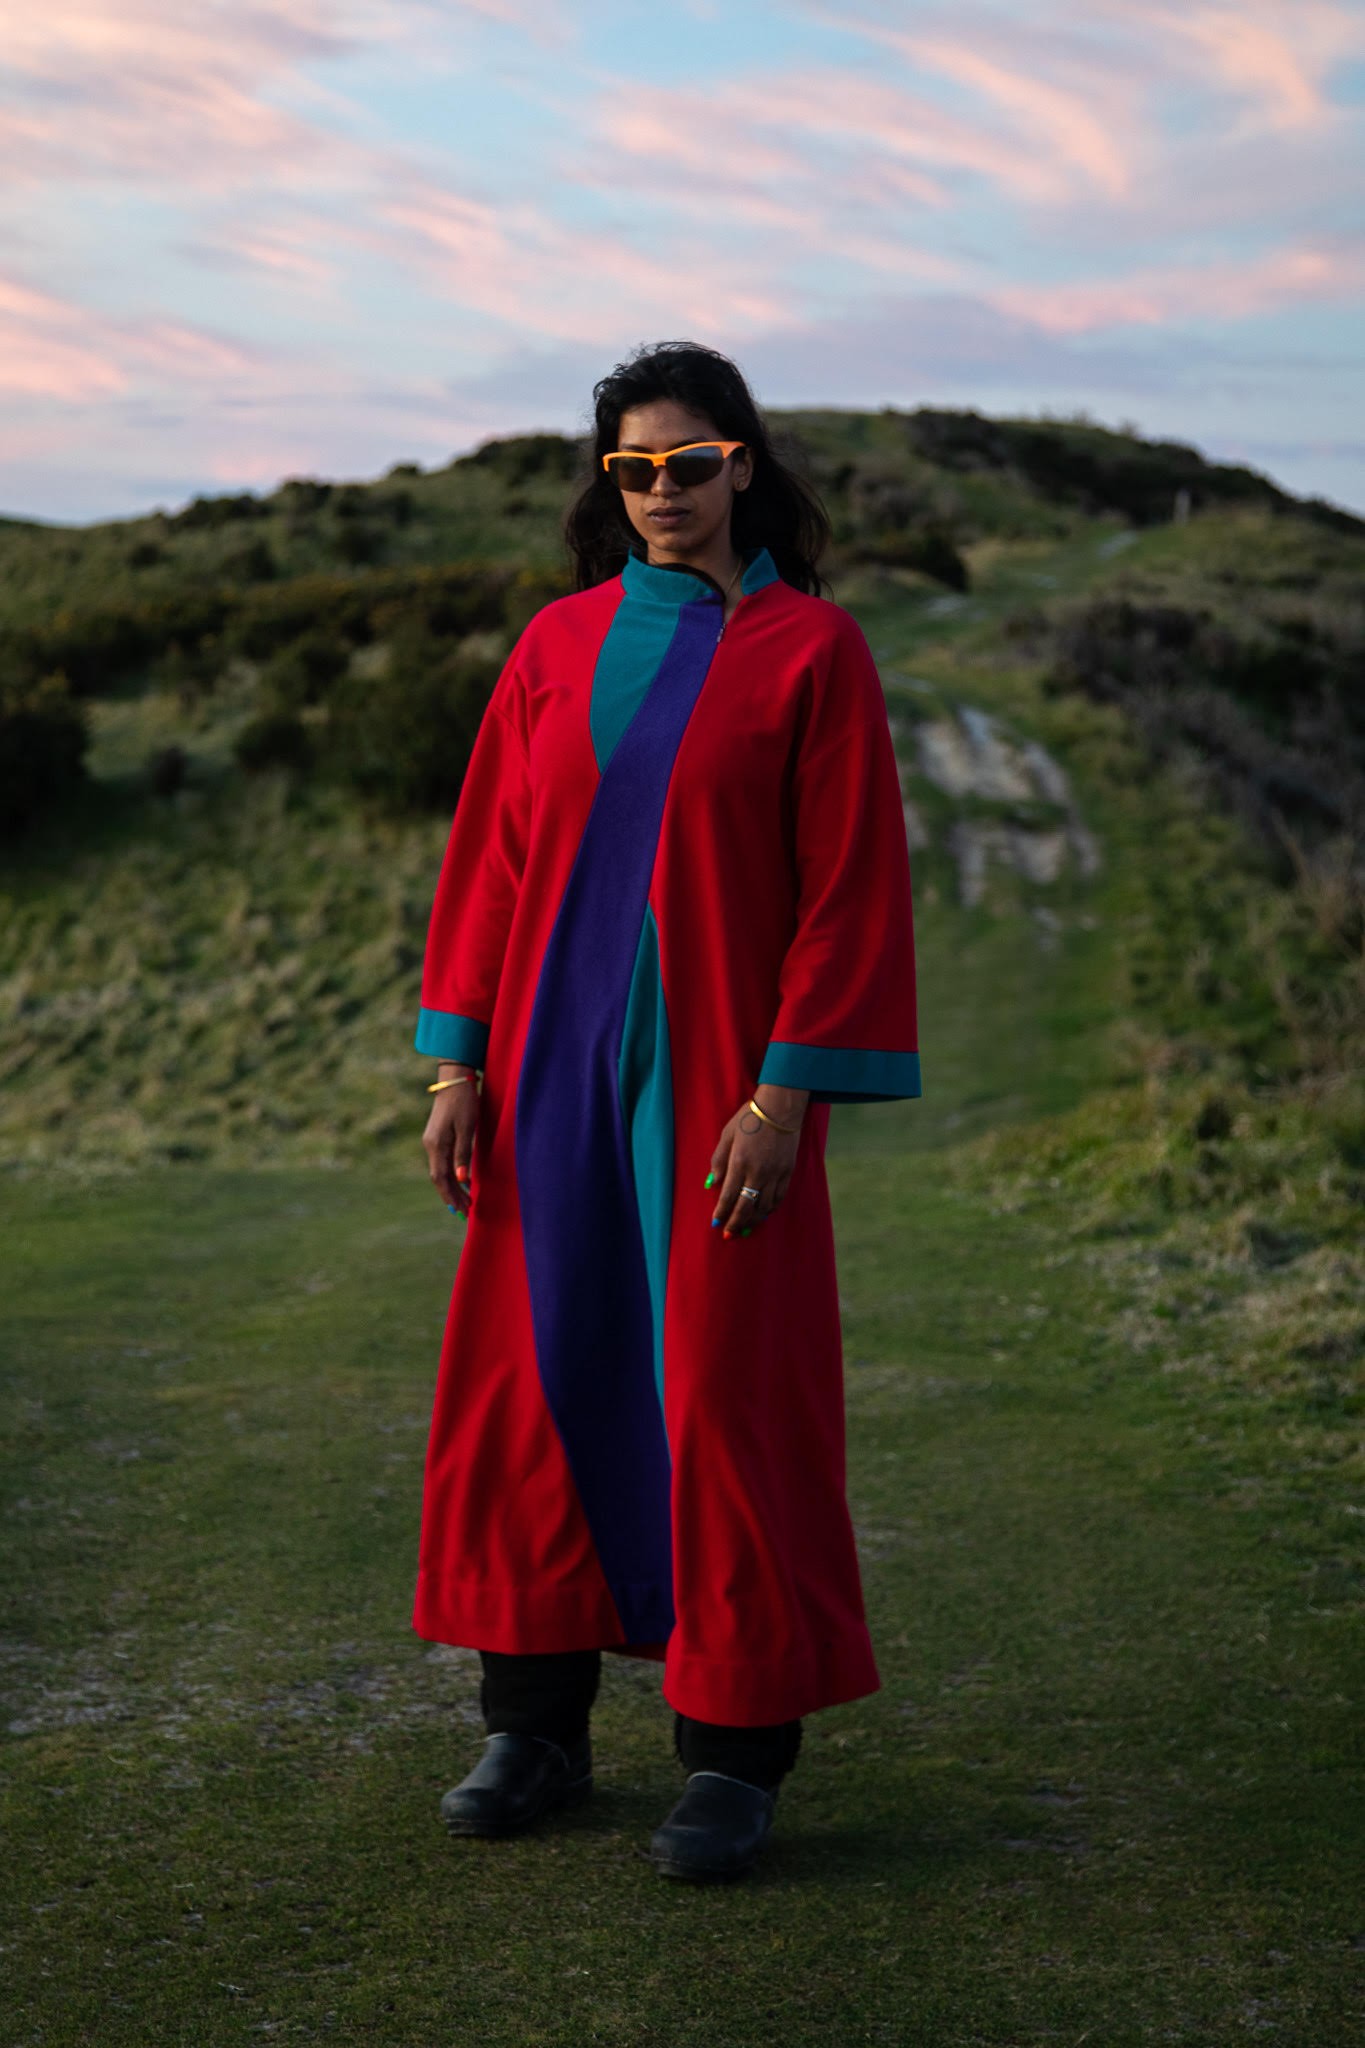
(270, 238)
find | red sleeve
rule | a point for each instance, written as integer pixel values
(846, 1024)
(477, 888)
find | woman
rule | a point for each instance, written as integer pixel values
(672, 926)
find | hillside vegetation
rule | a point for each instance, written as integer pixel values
(232, 738)
(1101, 1286)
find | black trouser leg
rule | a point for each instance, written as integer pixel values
(549, 1695)
(759, 1756)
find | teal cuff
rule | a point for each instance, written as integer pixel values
(836, 1073)
(448, 1036)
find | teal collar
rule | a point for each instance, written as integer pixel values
(660, 585)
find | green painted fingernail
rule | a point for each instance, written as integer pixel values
(710, 1181)
(745, 1233)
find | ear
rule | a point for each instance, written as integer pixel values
(744, 471)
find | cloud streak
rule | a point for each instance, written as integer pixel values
(891, 196)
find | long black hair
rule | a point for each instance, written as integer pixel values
(777, 510)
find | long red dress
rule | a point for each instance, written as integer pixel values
(677, 867)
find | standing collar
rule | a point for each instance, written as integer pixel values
(665, 583)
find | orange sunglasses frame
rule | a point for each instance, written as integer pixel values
(727, 449)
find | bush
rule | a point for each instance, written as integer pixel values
(213, 512)
(251, 562)
(403, 739)
(1081, 464)
(356, 542)
(277, 739)
(519, 457)
(929, 550)
(43, 737)
(303, 672)
(168, 770)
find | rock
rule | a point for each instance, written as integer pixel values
(968, 756)
(1084, 845)
(916, 831)
(971, 846)
(1038, 856)
(945, 757)
(1049, 776)
(999, 770)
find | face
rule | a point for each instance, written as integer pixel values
(680, 522)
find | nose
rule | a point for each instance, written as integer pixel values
(663, 485)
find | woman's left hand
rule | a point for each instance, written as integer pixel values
(750, 1153)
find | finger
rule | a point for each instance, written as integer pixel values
(462, 1161)
(449, 1146)
(441, 1170)
(720, 1158)
(733, 1207)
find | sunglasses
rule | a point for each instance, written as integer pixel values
(696, 462)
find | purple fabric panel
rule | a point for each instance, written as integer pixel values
(585, 1253)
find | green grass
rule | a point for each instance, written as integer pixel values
(1105, 1793)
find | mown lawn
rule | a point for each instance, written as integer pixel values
(1105, 1794)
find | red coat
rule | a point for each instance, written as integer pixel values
(677, 867)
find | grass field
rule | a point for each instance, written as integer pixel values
(1106, 1793)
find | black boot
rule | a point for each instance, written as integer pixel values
(537, 1756)
(722, 1820)
(716, 1829)
(517, 1779)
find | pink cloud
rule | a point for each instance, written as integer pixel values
(1275, 54)
(211, 97)
(1077, 136)
(520, 265)
(1176, 293)
(54, 348)
(43, 354)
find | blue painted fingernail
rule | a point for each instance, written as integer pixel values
(715, 1223)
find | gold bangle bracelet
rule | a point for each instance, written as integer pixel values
(790, 1129)
(433, 1086)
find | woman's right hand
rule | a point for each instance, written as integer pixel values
(448, 1139)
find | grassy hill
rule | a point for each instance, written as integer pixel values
(1102, 1289)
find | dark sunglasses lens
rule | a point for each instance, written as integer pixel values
(632, 474)
(695, 466)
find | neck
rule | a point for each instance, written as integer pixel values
(720, 560)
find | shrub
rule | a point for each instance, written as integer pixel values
(356, 541)
(43, 737)
(168, 770)
(518, 457)
(277, 739)
(403, 738)
(302, 672)
(251, 562)
(212, 512)
(928, 549)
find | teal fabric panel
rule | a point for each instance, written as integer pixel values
(447, 1036)
(835, 1073)
(627, 661)
(656, 583)
(645, 1072)
(759, 569)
